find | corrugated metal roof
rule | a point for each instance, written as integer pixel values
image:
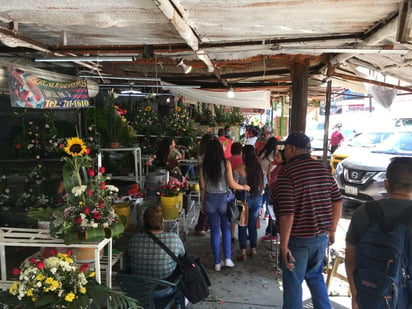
(248, 44)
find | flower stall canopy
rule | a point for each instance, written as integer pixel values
(30, 91)
(242, 99)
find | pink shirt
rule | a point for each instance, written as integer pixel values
(235, 161)
(336, 138)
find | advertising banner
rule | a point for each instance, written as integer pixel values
(29, 91)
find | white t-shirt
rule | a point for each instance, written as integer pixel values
(251, 141)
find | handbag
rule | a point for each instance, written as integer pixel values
(195, 281)
(237, 211)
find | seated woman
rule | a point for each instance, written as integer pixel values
(145, 256)
(168, 157)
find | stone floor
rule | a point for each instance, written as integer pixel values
(254, 283)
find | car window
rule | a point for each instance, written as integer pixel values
(369, 139)
(398, 143)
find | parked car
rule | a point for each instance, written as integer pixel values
(360, 177)
(359, 144)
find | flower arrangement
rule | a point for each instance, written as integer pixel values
(146, 120)
(110, 120)
(4, 192)
(178, 123)
(87, 214)
(58, 282)
(168, 190)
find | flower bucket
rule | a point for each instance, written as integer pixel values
(113, 145)
(85, 255)
(170, 207)
(123, 209)
(180, 200)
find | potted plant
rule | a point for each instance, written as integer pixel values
(59, 282)
(111, 123)
(88, 213)
(169, 199)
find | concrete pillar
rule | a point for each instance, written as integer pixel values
(299, 102)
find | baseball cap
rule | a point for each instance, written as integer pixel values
(299, 140)
(267, 128)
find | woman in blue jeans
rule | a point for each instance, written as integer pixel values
(215, 179)
(250, 173)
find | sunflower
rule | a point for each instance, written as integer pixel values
(75, 147)
(148, 108)
(178, 109)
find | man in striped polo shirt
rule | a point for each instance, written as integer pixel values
(308, 207)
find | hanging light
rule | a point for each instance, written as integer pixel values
(186, 68)
(230, 93)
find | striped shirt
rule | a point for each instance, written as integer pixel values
(306, 189)
(148, 259)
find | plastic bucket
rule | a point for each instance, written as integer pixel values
(123, 209)
(170, 207)
(85, 255)
(180, 200)
(152, 181)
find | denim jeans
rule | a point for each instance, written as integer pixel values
(254, 204)
(216, 211)
(309, 254)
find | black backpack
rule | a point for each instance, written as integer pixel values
(383, 272)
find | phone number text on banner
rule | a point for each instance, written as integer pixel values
(29, 91)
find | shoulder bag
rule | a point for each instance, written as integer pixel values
(237, 211)
(195, 282)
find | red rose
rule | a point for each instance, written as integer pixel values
(53, 252)
(40, 265)
(32, 260)
(97, 215)
(89, 192)
(84, 267)
(103, 185)
(69, 252)
(102, 170)
(18, 146)
(91, 172)
(86, 210)
(16, 271)
(79, 220)
(101, 204)
(87, 150)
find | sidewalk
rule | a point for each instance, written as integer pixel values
(256, 283)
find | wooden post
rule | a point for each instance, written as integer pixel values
(299, 96)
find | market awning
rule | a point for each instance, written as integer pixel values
(242, 99)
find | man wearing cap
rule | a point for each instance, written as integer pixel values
(308, 209)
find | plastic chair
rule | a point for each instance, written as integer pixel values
(151, 293)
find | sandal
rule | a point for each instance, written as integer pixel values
(242, 256)
(252, 252)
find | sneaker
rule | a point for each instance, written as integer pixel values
(218, 267)
(268, 237)
(228, 263)
(200, 233)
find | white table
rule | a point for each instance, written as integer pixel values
(21, 237)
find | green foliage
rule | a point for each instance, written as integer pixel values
(111, 123)
(203, 115)
(221, 116)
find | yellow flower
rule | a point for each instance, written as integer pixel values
(40, 277)
(178, 109)
(29, 292)
(70, 297)
(92, 274)
(14, 288)
(75, 147)
(83, 290)
(148, 108)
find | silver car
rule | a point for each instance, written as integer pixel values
(360, 178)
